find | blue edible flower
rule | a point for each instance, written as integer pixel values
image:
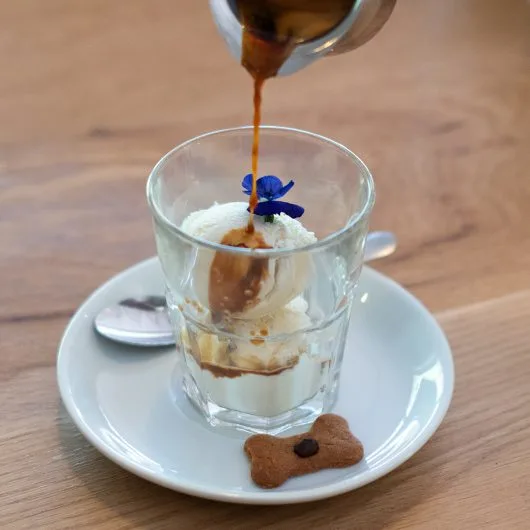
(271, 188)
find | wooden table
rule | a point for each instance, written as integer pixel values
(93, 93)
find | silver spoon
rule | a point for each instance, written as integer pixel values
(145, 322)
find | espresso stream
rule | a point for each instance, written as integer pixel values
(271, 31)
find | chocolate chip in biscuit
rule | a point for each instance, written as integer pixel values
(306, 448)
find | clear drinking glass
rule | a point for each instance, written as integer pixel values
(270, 372)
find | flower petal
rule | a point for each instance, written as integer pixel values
(284, 190)
(268, 187)
(277, 207)
(247, 184)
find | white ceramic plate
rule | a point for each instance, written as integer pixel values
(397, 382)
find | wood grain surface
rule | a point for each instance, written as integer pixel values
(92, 93)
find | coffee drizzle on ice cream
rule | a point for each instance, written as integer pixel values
(235, 280)
(232, 371)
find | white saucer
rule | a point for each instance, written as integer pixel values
(397, 382)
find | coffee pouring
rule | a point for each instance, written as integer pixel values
(304, 30)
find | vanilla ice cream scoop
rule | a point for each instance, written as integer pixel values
(272, 341)
(280, 281)
(269, 343)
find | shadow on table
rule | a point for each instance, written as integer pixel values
(146, 505)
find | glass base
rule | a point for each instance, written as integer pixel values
(304, 414)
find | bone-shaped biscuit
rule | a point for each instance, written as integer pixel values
(274, 460)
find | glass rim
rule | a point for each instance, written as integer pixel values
(264, 253)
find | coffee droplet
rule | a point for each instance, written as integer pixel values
(306, 448)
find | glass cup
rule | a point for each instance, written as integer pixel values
(277, 365)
